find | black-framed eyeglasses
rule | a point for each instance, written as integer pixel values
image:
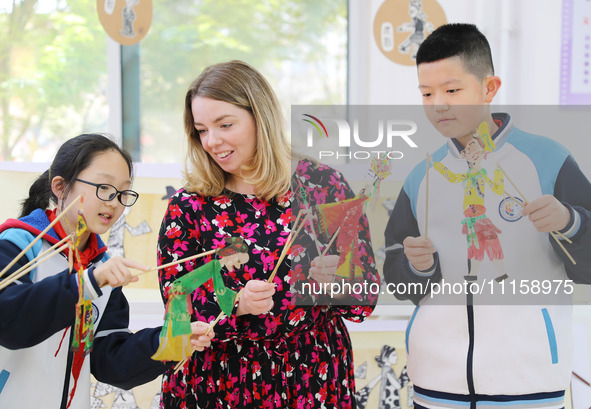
(107, 192)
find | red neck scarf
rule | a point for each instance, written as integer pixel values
(88, 254)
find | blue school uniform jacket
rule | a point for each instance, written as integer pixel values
(36, 317)
(494, 343)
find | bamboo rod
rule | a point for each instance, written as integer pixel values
(57, 219)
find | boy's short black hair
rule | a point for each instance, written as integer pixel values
(458, 39)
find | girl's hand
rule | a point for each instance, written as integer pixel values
(115, 272)
(199, 339)
(256, 298)
(323, 269)
(419, 252)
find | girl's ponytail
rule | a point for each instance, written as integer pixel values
(39, 195)
(72, 157)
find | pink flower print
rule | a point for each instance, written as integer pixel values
(323, 370)
(297, 274)
(256, 368)
(284, 200)
(296, 316)
(223, 220)
(282, 240)
(180, 244)
(286, 305)
(197, 202)
(200, 296)
(268, 259)
(285, 218)
(205, 225)
(297, 251)
(231, 381)
(248, 230)
(320, 195)
(303, 168)
(222, 201)
(248, 273)
(174, 211)
(271, 323)
(173, 231)
(339, 195)
(266, 387)
(219, 243)
(260, 207)
(270, 226)
(288, 369)
(336, 181)
(321, 394)
(240, 217)
(194, 234)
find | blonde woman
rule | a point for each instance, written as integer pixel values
(271, 352)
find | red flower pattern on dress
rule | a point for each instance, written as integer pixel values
(276, 360)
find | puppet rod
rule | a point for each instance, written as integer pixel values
(57, 219)
(174, 263)
(15, 277)
(39, 256)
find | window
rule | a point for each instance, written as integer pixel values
(53, 76)
(299, 46)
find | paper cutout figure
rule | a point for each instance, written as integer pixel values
(117, 234)
(128, 16)
(481, 233)
(176, 331)
(391, 384)
(418, 27)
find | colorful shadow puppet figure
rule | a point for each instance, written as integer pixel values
(481, 233)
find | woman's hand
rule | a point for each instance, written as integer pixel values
(200, 338)
(323, 269)
(256, 298)
(115, 272)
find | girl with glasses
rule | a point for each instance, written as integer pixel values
(37, 312)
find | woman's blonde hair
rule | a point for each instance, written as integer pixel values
(239, 84)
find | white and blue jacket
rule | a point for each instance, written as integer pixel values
(469, 350)
(35, 370)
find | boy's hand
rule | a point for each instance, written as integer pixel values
(547, 214)
(115, 272)
(256, 298)
(324, 269)
(419, 252)
(199, 339)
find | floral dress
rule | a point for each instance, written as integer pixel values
(296, 356)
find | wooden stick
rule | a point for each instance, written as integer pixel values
(49, 250)
(13, 278)
(511, 181)
(311, 221)
(288, 243)
(174, 263)
(57, 219)
(569, 241)
(557, 240)
(334, 236)
(427, 197)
